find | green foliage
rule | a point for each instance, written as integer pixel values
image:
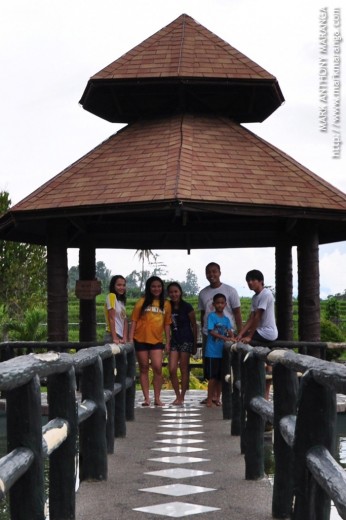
(23, 272)
(31, 328)
(102, 273)
(190, 286)
(4, 319)
(73, 276)
(332, 333)
(332, 310)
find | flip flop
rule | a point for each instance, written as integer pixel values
(217, 403)
(145, 403)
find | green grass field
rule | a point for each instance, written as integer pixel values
(245, 305)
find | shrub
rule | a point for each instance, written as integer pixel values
(331, 333)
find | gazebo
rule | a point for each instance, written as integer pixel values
(183, 174)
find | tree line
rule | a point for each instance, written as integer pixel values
(135, 281)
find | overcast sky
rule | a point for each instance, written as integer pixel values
(50, 48)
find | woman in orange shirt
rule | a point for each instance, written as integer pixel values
(151, 318)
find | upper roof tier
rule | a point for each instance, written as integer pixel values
(184, 66)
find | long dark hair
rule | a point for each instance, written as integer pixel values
(148, 297)
(176, 284)
(120, 297)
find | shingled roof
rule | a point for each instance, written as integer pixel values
(173, 69)
(186, 158)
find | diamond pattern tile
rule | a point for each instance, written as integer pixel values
(180, 420)
(177, 490)
(181, 414)
(179, 459)
(179, 449)
(180, 425)
(179, 473)
(176, 509)
(180, 432)
(180, 440)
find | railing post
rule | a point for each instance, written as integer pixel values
(131, 391)
(24, 429)
(316, 425)
(62, 462)
(236, 398)
(226, 386)
(119, 400)
(242, 405)
(93, 447)
(254, 424)
(285, 383)
(108, 382)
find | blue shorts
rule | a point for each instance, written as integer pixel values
(213, 368)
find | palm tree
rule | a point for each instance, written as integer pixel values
(144, 254)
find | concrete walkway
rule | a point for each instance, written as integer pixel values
(216, 488)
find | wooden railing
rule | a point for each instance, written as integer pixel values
(79, 432)
(303, 413)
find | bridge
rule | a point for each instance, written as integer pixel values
(170, 461)
(176, 462)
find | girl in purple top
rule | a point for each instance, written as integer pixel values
(183, 340)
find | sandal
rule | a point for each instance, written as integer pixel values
(217, 403)
(145, 403)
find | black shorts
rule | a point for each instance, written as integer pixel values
(257, 337)
(140, 347)
(213, 368)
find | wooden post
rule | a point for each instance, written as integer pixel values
(254, 424)
(24, 429)
(131, 390)
(57, 271)
(236, 403)
(242, 403)
(120, 397)
(311, 502)
(285, 383)
(108, 378)
(93, 446)
(284, 290)
(87, 308)
(62, 462)
(308, 286)
(226, 386)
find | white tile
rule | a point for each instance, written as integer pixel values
(176, 509)
(180, 420)
(179, 433)
(179, 459)
(180, 425)
(179, 473)
(180, 440)
(179, 449)
(177, 490)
